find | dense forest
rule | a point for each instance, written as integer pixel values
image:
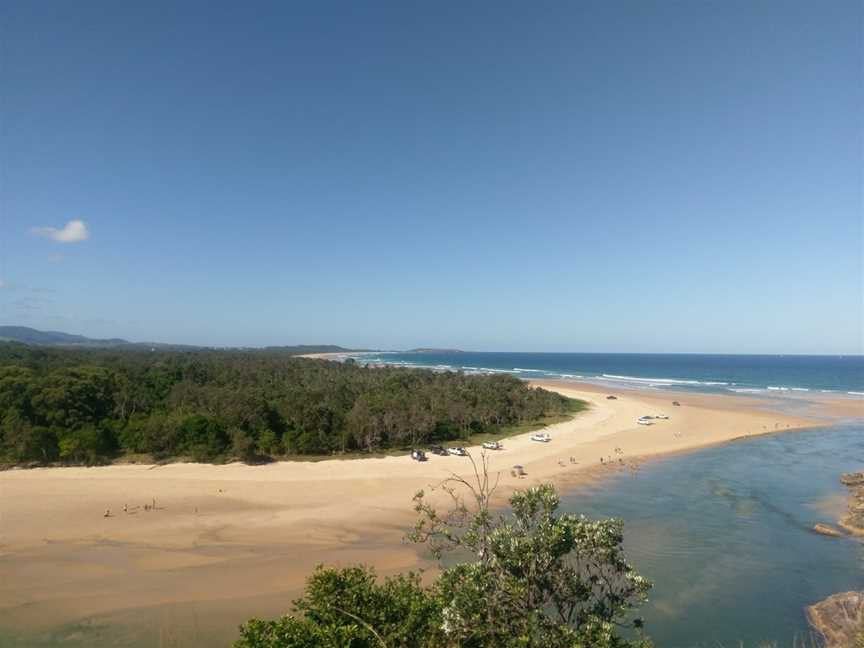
(91, 406)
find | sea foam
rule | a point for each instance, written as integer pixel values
(662, 381)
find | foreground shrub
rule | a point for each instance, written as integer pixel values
(535, 578)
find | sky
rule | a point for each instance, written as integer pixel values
(633, 176)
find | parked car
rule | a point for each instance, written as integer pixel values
(459, 452)
(492, 445)
(541, 437)
(418, 455)
(611, 398)
(437, 450)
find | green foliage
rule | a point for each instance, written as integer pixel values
(539, 578)
(23, 442)
(203, 437)
(87, 406)
(243, 445)
(297, 633)
(87, 445)
(536, 579)
(347, 607)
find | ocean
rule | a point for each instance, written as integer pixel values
(742, 374)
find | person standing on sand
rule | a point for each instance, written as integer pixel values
(107, 513)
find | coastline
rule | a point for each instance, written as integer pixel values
(833, 403)
(226, 534)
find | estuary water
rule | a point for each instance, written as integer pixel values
(726, 536)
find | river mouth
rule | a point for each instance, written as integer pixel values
(726, 535)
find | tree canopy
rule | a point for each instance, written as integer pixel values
(88, 406)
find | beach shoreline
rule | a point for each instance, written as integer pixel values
(237, 532)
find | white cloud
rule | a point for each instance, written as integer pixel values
(73, 232)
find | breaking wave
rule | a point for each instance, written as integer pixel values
(663, 381)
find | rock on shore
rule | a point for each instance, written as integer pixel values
(854, 519)
(828, 530)
(852, 479)
(839, 619)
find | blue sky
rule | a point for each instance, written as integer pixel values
(572, 176)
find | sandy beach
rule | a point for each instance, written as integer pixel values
(234, 541)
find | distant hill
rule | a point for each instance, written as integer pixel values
(34, 337)
(27, 335)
